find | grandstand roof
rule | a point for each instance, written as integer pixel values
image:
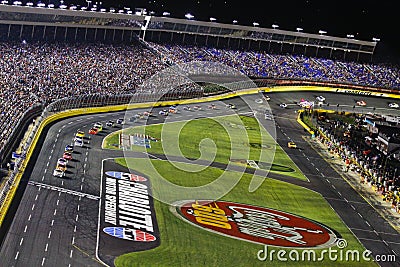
(11, 14)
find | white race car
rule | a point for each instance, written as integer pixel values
(361, 103)
(283, 105)
(393, 105)
(58, 173)
(320, 98)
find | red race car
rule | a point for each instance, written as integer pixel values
(93, 130)
(67, 155)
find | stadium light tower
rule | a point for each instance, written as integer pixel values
(299, 29)
(275, 26)
(322, 32)
(213, 19)
(376, 39)
(166, 14)
(256, 24)
(350, 36)
(235, 21)
(189, 16)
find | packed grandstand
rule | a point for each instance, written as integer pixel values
(39, 73)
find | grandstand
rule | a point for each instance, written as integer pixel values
(48, 54)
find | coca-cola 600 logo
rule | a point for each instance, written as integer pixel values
(256, 224)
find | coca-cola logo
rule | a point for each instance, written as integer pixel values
(256, 224)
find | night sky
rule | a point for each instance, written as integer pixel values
(363, 19)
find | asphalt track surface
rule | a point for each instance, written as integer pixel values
(57, 219)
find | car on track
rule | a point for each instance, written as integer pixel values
(292, 145)
(283, 105)
(78, 142)
(197, 108)
(93, 130)
(62, 161)
(163, 112)
(173, 109)
(230, 105)
(188, 108)
(361, 103)
(393, 105)
(61, 167)
(69, 148)
(58, 173)
(120, 121)
(320, 98)
(110, 124)
(267, 98)
(99, 126)
(67, 155)
(80, 134)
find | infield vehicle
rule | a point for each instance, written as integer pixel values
(93, 130)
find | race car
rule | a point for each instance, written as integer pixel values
(147, 113)
(163, 112)
(58, 173)
(62, 161)
(69, 148)
(320, 98)
(212, 106)
(67, 155)
(110, 124)
(187, 108)
(197, 107)
(361, 103)
(78, 142)
(283, 105)
(120, 121)
(98, 126)
(267, 98)
(292, 145)
(230, 105)
(93, 130)
(61, 167)
(393, 105)
(173, 109)
(305, 103)
(80, 134)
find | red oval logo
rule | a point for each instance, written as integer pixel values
(256, 224)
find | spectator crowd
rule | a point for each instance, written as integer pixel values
(40, 73)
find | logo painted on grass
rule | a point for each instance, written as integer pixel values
(126, 176)
(129, 234)
(256, 224)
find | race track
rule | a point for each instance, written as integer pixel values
(56, 223)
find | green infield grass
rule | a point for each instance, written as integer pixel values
(183, 244)
(224, 139)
